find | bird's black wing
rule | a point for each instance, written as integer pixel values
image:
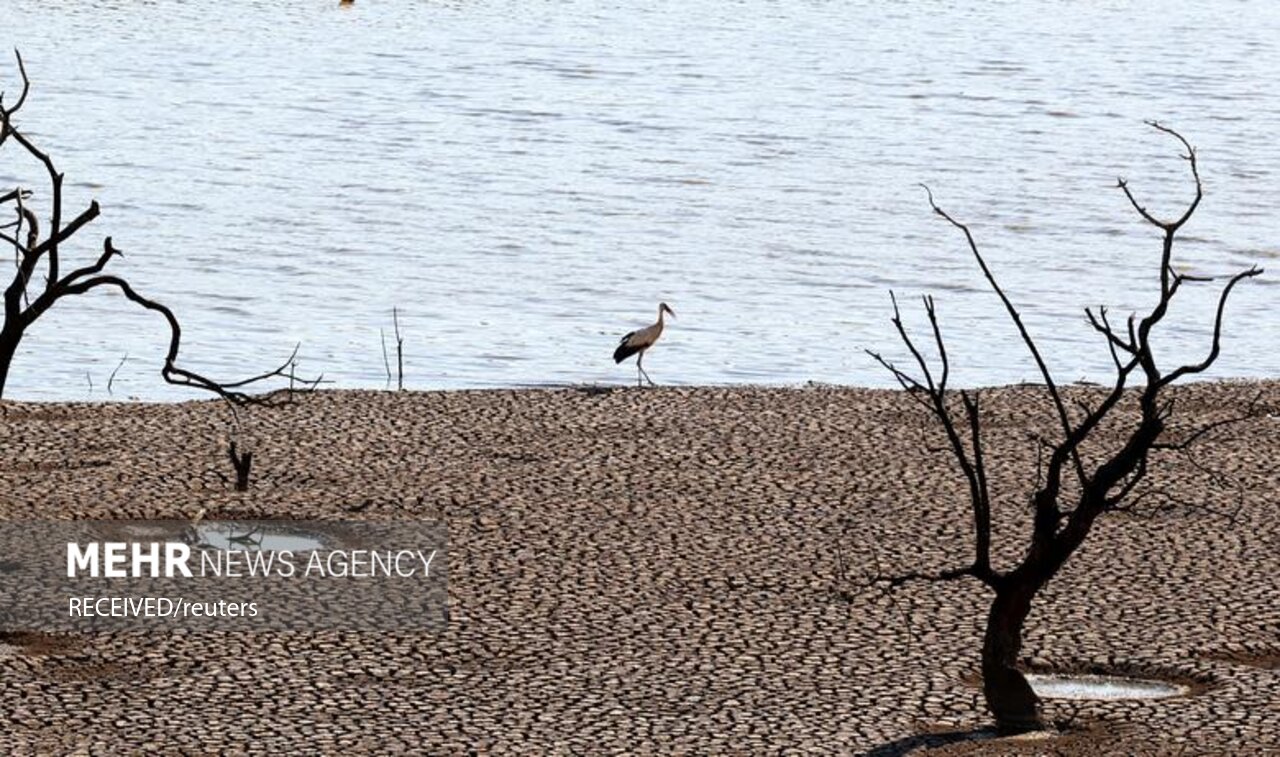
(624, 350)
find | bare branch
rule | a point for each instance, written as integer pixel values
(1124, 187)
(914, 389)
(386, 361)
(1190, 157)
(111, 380)
(982, 502)
(906, 339)
(15, 194)
(1016, 317)
(108, 252)
(56, 232)
(937, 337)
(933, 396)
(171, 372)
(1168, 285)
(22, 98)
(290, 363)
(395, 320)
(1102, 325)
(1217, 331)
(21, 309)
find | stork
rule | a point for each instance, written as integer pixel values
(638, 341)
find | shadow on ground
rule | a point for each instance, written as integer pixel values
(910, 744)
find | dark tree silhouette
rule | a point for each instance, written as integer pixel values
(243, 464)
(30, 295)
(1071, 493)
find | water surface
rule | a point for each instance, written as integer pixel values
(1091, 687)
(525, 181)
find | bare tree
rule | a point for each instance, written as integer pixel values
(28, 296)
(243, 464)
(1072, 491)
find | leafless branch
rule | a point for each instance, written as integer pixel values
(1216, 346)
(1050, 385)
(24, 304)
(395, 320)
(1115, 480)
(171, 372)
(386, 361)
(1190, 157)
(111, 380)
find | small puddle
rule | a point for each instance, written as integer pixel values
(225, 536)
(1051, 686)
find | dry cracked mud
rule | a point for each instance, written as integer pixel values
(657, 571)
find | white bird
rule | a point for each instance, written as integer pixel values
(637, 342)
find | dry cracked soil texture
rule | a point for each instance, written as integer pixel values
(659, 571)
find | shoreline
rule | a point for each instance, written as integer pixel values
(599, 388)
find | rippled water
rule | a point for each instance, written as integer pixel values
(526, 180)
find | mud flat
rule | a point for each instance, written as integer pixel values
(656, 571)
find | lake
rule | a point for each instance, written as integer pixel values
(525, 181)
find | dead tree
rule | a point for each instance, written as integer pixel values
(1071, 492)
(40, 281)
(243, 464)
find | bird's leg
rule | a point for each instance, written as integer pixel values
(639, 369)
(640, 366)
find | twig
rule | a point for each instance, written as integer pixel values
(112, 379)
(386, 361)
(395, 319)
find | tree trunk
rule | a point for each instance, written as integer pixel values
(8, 346)
(1009, 697)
